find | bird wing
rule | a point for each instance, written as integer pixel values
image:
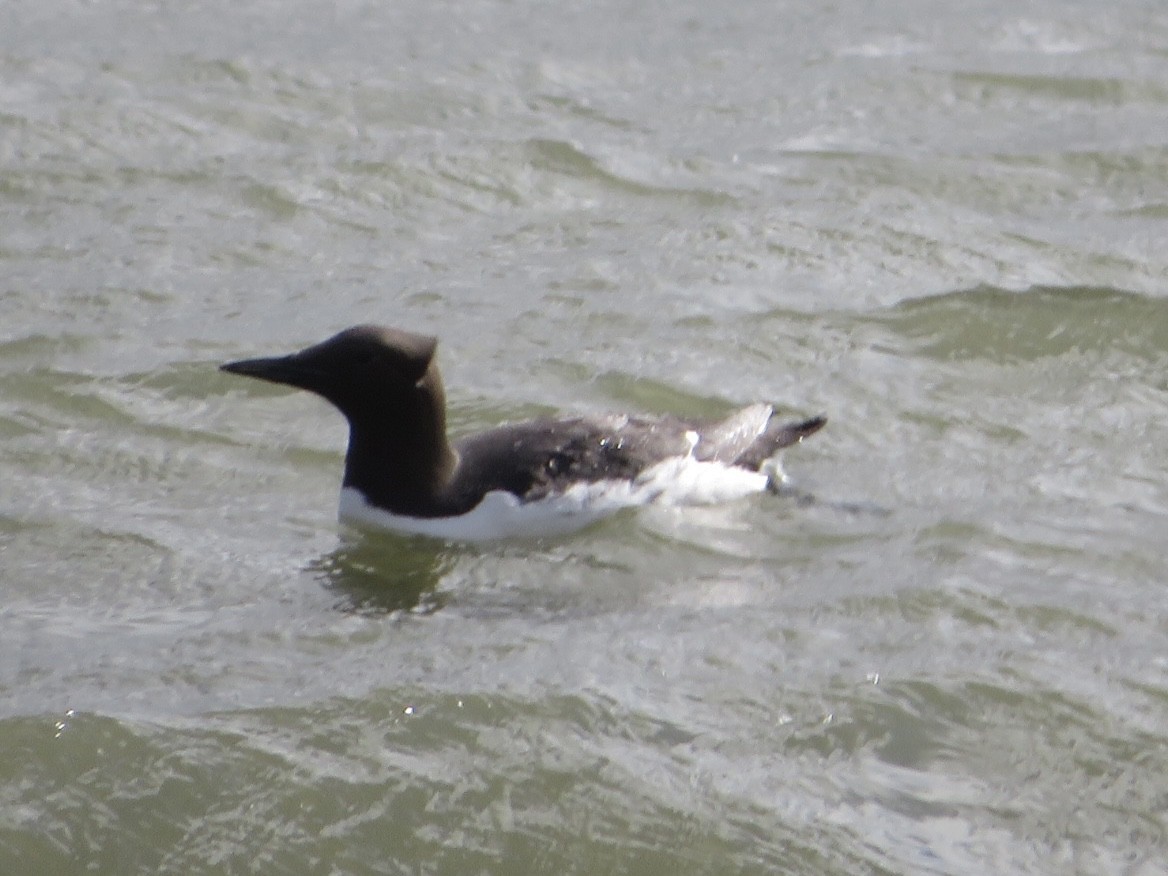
(539, 457)
(725, 441)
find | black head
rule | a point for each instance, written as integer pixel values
(366, 371)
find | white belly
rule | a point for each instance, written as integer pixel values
(678, 481)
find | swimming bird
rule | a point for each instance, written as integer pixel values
(534, 478)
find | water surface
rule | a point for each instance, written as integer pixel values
(942, 227)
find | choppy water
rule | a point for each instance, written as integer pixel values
(942, 227)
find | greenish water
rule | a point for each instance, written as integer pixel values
(941, 227)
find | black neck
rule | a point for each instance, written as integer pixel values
(399, 457)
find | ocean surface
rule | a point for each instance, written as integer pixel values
(945, 226)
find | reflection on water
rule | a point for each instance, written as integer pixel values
(383, 572)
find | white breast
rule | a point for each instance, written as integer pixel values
(498, 515)
(677, 481)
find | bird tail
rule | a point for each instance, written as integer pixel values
(774, 438)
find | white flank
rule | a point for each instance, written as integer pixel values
(676, 481)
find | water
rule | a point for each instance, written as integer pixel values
(942, 227)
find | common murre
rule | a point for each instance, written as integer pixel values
(540, 477)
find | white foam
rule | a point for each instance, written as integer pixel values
(676, 481)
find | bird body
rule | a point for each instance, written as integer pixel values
(536, 478)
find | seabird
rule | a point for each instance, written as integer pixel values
(540, 477)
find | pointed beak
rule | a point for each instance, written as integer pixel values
(289, 370)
